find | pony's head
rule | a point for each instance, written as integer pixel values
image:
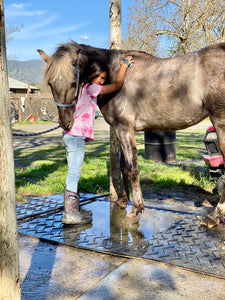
(64, 75)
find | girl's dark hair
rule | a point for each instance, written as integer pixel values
(94, 69)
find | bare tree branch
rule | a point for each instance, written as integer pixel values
(186, 25)
(10, 30)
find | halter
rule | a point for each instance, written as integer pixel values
(77, 91)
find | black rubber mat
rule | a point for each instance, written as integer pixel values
(165, 235)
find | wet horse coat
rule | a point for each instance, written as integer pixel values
(163, 94)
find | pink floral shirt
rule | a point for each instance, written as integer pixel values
(84, 114)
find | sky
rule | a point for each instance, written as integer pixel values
(48, 23)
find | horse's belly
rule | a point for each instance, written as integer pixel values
(170, 118)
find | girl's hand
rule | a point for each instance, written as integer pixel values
(129, 61)
(118, 83)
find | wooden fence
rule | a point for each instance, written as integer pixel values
(39, 105)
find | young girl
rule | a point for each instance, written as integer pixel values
(82, 131)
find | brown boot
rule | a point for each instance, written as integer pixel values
(71, 214)
(84, 212)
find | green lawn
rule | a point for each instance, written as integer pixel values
(42, 171)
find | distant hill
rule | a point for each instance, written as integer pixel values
(31, 70)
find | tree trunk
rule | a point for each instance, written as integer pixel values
(9, 258)
(115, 151)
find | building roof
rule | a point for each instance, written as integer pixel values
(16, 84)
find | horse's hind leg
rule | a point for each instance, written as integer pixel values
(214, 218)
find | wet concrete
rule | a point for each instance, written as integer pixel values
(59, 272)
(50, 271)
(136, 279)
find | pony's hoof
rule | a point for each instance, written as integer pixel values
(212, 220)
(209, 223)
(122, 202)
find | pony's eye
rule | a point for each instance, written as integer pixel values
(74, 84)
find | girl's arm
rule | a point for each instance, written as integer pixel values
(117, 84)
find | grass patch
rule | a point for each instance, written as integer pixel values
(42, 171)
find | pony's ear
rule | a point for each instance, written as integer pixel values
(80, 58)
(76, 57)
(43, 55)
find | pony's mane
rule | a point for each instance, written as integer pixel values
(60, 63)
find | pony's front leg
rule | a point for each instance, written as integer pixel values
(123, 196)
(121, 192)
(129, 148)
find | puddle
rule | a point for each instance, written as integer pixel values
(110, 220)
(109, 225)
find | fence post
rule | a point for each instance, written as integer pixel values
(19, 110)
